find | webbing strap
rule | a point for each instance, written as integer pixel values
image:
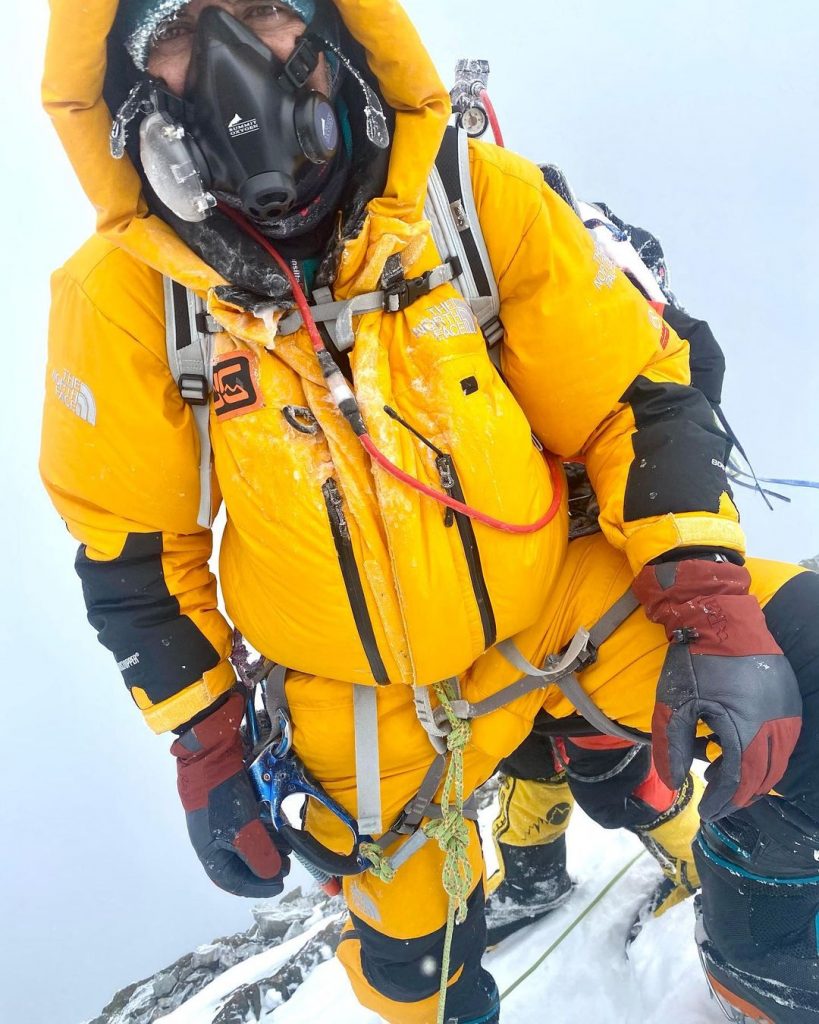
(189, 352)
(414, 811)
(560, 672)
(275, 696)
(613, 619)
(451, 204)
(575, 694)
(340, 315)
(367, 769)
(201, 417)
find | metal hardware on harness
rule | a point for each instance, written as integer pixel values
(277, 773)
(278, 777)
(583, 659)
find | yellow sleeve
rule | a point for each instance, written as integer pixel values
(120, 461)
(598, 372)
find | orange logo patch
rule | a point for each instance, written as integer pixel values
(235, 385)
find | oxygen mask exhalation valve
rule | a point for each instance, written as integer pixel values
(171, 169)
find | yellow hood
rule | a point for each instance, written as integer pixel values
(75, 71)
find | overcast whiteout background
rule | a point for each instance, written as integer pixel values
(694, 118)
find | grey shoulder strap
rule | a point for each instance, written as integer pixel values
(188, 340)
(456, 230)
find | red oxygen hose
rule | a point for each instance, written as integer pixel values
(493, 118)
(459, 506)
(367, 442)
(298, 294)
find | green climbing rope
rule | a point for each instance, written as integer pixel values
(380, 865)
(570, 928)
(451, 833)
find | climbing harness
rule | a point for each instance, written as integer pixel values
(277, 774)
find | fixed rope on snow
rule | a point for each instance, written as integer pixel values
(571, 927)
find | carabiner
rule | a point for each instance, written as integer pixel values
(278, 777)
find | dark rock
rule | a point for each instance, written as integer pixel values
(243, 1007)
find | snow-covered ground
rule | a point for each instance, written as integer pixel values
(587, 978)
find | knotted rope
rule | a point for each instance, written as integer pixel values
(451, 833)
(380, 863)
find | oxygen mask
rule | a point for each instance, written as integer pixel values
(248, 127)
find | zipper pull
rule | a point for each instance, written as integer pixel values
(337, 505)
(443, 464)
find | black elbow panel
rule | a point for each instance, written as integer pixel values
(680, 452)
(706, 357)
(136, 617)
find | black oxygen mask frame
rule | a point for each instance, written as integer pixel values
(254, 126)
(248, 125)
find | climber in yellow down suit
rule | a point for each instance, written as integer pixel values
(307, 131)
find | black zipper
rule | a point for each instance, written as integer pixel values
(352, 579)
(452, 485)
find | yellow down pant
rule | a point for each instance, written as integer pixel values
(414, 906)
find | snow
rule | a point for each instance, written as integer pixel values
(588, 976)
(205, 1004)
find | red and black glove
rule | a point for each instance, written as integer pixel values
(237, 849)
(724, 667)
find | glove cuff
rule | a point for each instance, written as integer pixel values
(706, 605)
(210, 753)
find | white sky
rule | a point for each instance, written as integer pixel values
(693, 118)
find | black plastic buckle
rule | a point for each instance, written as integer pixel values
(686, 635)
(587, 657)
(400, 827)
(402, 293)
(302, 63)
(194, 389)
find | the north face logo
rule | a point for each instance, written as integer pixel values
(235, 391)
(75, 395)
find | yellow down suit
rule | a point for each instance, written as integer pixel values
(586, 363)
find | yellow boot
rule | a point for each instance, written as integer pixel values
(530, 842)
(668, 840)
